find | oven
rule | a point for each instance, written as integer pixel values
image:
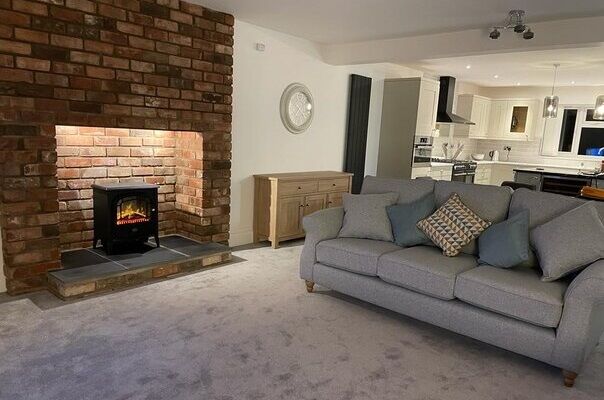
(422, 151)
(463, 172)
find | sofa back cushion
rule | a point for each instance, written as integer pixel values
(409, 190)
(489, 202)
(543, 207)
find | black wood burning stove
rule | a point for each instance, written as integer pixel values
(124, 213)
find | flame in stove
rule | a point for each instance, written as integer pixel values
(131, 213)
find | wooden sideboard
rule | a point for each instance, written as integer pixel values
(282, 200)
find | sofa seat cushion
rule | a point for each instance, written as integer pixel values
(424, 269)
(354, 255)
(516, 293)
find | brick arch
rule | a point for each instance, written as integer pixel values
(148, 64)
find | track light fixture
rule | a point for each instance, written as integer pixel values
(516, 22)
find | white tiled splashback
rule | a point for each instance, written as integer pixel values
(530, 152)
(469, 146)
(522, 152)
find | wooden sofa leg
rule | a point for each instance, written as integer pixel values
(310, 286)
(569, 378)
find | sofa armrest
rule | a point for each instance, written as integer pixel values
(319, 226)
(582, 320)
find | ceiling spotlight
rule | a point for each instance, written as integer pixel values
(496, 76)
(572, 82)
(468, 66)
(516, 23)
(517, 83)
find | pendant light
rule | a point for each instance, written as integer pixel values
(599, 110)
(550, 103)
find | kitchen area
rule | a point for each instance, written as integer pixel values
(545, 138)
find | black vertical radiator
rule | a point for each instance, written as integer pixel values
(356, 135)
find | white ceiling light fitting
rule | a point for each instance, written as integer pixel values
(516, 22)
(550, 103)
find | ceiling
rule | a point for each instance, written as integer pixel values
(345, 21)
(582, 66)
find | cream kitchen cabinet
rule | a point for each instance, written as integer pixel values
(420, 172)
(520, 119)
(483, 174)
(427, 107)
(513, 119)
(477, 109)
(408, 110)
(281, 201)
(441, 173)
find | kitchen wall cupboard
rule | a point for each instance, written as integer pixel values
(477, 109)
(503, 119)
(513, 119)
(282, 200)
(427, 107)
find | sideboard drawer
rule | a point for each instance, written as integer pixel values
(292, 188)
(334, 185)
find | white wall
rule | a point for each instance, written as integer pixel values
(260, 142)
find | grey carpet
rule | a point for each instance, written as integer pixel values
(249, 330)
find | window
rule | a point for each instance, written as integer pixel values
(567, 132)
(577, 133)
(592, 142)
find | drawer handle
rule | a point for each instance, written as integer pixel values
(307, 205)
(301, 205)
(333, 184)
(330, 202)
(299, 187)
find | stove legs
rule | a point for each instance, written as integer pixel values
(156, 240)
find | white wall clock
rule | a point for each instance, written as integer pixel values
(297, 108)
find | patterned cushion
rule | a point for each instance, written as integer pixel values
(453, 226)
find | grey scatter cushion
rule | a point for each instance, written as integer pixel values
(365, 216)
(569, 242)
(404, 218)
(506, 244)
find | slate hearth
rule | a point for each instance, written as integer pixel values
(87, 271)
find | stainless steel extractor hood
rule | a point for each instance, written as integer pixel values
(445, 114)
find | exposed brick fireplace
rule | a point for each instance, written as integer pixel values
(109, 91)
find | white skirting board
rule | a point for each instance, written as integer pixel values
(241, 238)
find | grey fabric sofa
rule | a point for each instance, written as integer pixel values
(558, 323)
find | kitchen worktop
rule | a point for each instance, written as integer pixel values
(526, 166)
(557, 171)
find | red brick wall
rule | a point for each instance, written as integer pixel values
(88, 155)
(154, 64)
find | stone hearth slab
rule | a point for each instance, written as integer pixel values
(88, 271)
(145, 256)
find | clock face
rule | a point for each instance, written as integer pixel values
(297, 108)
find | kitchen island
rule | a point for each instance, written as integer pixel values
(564, 181)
